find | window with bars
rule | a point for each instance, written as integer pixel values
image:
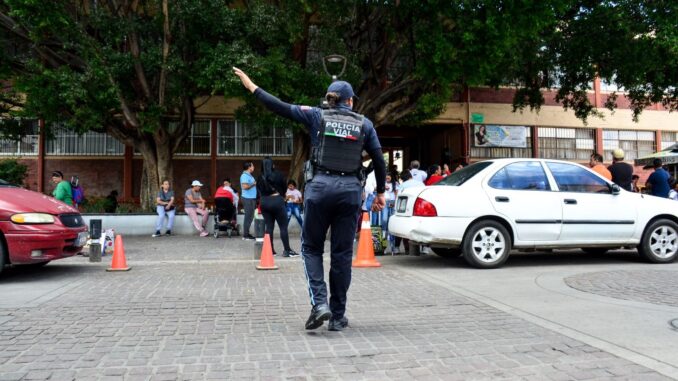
(634, 143)
(502, 152)
(197, 143)
(566, 143)
(239, 139)
(70, 143)
(669, 138)
(27, 145)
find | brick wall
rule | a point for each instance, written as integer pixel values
(98, 175)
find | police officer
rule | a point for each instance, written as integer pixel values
(332, 198)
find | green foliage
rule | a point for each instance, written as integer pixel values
(97, 205)
(13, 172)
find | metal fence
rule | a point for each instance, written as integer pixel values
(634, 143)
(240, 139)
(566, 143)
(70, 143)
(27, 145)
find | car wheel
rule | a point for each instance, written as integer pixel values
(660, 242)
(595, 250)
(446, 252)
(486, 245)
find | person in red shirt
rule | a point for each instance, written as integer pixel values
(226, 192)
(434, 175)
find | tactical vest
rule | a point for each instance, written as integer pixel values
(341, 142)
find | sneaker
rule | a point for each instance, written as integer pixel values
(204, 234)
(319, 314)
(168, 233)
(290, 253)
(157, 234)
(337, 324)
(248, 237)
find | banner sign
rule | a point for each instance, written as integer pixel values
(500, 136)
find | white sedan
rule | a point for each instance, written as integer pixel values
(488, 208)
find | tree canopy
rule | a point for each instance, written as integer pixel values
(130, 67)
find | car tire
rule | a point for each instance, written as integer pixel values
(446, 252)
(486, 244)
(659, 243)
(595, 250)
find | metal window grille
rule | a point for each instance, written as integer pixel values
(27, 145)
(70, 143)
(197, 143)
(634, 143)
(669, 138)
(566, 143)
(502, 152)
(240, 139)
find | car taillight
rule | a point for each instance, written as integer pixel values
(423, 208)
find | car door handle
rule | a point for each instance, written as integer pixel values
(501, 199)
(570, 201)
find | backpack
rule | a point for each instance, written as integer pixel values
(77, 194)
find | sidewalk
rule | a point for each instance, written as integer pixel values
(195, 308)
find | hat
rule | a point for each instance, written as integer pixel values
(618, 153)
(196, 183)
(343, 88)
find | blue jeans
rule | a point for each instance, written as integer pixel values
(161, 217)
(294, 210)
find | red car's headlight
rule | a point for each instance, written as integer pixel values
(423, 208)
(32, 218)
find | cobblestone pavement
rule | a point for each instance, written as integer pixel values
(649, 286)
(194, 309)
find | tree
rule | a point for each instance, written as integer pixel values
(133, 68)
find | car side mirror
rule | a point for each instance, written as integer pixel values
(615, 189)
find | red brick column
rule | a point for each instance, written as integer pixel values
(596, 90)
(127, 174)
(657, 140)
(599, 140)
(213, 155)
(535, 141)
(41, 155)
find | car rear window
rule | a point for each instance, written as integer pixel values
(461, 176)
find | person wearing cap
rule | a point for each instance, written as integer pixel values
(659, 180)
(63, 191)
(622, 172)
(194, 205)
(596, 164)
(333, 191)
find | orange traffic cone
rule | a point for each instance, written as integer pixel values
(365, 256)
(119, 262)
(266, 261)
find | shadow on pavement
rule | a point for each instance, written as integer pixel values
(48, 272)
(521, 259)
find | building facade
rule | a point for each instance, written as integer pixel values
(219, 144)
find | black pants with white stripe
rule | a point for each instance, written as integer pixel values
(330, 201)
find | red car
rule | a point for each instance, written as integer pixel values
(36, 229)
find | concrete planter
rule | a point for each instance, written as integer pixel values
(144, 223)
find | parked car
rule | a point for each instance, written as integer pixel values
(36, 229)
(488, 208)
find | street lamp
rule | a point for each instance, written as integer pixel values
(334, 59)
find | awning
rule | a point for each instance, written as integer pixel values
(668, 156)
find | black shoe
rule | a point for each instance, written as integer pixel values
(249, 237)
(337, 324)
(157, 234)
(319, 314)
(290, 253)
(168, 233)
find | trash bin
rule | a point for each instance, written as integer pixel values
(95, 229)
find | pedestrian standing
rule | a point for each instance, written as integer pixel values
(194, 205)
(622, 172)
(416, 173)
(596, 164)
(294, 199)
(434, 175)
(248, 197)
(659, 180)
(332, 196)
(62, 191)
(164, 206)
(272, 188)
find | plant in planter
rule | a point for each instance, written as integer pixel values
(13, 172)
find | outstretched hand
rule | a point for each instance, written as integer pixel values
(246, 81)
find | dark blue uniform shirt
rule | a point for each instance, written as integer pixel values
(311, 117)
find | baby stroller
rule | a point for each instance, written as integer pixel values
(225, 218)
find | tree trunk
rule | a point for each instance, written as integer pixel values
(158, 167)
(302, 145)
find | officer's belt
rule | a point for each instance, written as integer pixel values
(333, 172)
